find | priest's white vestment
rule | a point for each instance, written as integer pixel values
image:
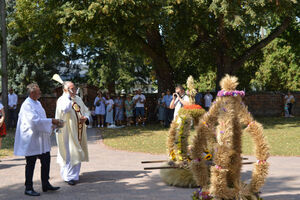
(33, 130)
(72, 138)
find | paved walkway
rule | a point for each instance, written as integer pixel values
(118, 175)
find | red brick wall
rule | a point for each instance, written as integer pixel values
(259, 104)
(49, 101)
(270, 103)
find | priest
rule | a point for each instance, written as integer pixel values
(72, 138)
(32, 139)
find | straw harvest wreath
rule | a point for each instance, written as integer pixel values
(177, 143)
(223, 124)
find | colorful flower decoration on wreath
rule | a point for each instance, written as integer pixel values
(223, 93)
(191, 107)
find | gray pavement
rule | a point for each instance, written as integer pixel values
(119, 175)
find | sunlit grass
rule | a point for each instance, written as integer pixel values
(282, 134)
(8, 144)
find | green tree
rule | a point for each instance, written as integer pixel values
(223, 33)
(280, 68)
(36, 45)
(179, 37)
(115, 70)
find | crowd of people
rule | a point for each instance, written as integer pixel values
(108, 111)
(168, 105)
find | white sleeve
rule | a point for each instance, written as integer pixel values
(1, 106)
(35, 122)
(66, 104)
(16, 100)
(84, 109)
(95, 101)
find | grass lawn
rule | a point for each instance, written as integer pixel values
(8, 144)
(283, 136)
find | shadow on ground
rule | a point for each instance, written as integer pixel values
(107, 185)
(276, 185)
(5, 166)
(135, 185)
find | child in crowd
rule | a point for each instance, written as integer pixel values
(93, 117)
(129, 109)
(109, 110)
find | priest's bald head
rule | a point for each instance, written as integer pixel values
(70, 88)
(34, 91)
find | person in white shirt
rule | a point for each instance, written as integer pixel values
(32, 139)
(289, 102)
(207, 100)
(12, 108)
(179, 100)
(72, 138)
(109, 119)
(139, 100)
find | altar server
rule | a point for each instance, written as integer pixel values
(32, 139)
(72, 138)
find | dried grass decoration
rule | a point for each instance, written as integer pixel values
(179, 154)
(223, 122)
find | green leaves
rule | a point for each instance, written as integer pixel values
(280, 68)
(178, 38)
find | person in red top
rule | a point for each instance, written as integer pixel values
(2, 124)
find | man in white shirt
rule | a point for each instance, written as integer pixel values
(179, 100)
(12, 108)
(32, 139)
(207, 100)
(72, 138)
(139, 101)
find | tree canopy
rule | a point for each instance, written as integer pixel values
(168, 39)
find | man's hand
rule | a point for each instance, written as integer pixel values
(71, 92)
(175, 95)
(83, 119)
(55, 121)
(179, 97)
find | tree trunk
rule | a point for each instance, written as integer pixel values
(111, 87)
(223, 67)
(4, 59)
(164, 75)
(229, 65)
(155, 49)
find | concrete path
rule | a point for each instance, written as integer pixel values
(119, 175)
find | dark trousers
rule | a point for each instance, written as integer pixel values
(168, 116)
(12, 118)
(45, 169)
(290, 107)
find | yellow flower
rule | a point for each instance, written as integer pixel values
(208, 156)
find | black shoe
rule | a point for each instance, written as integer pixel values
(50, 187)
(31, 193)
(71, 182)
